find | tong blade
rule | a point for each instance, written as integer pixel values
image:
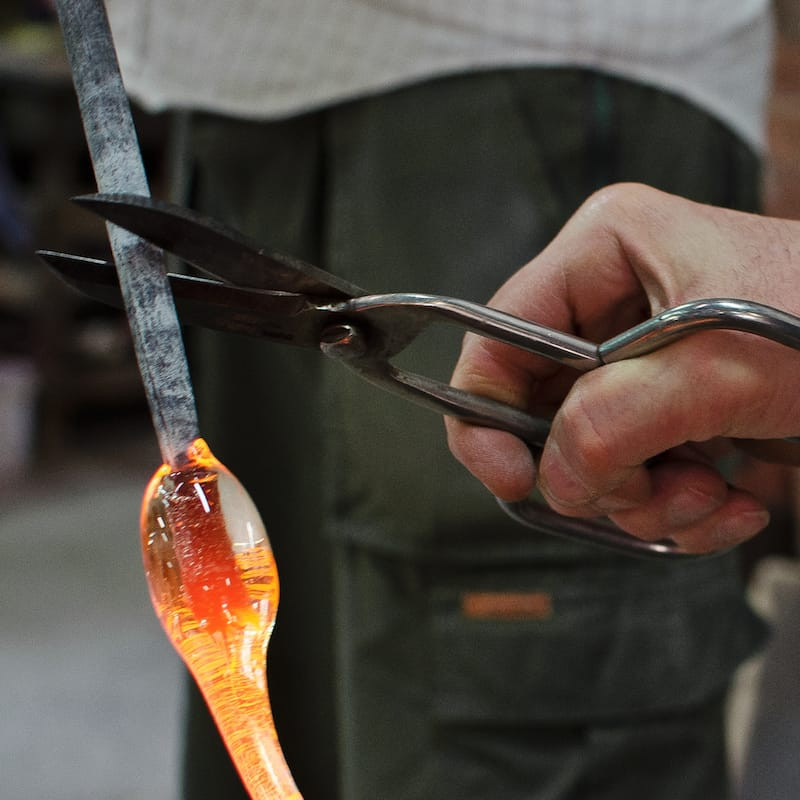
(276, 316)
(214, 248)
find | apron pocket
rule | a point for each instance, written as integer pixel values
(577, 644)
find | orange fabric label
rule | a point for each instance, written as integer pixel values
(507, 605)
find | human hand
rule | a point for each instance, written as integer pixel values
(628, 439)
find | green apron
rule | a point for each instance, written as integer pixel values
(426, 646)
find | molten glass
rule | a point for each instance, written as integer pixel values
(214, 586)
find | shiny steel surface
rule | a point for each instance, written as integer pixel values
(213, 247)
(598, 531)
(402, 316)
(702, 315)
(289, 301)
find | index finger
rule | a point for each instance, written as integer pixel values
(582, 283)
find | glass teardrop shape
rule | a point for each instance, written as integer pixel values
(214, 586)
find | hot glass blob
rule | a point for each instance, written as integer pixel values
(214, 586)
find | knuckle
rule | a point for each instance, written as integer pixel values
(574, 470)
(618, 199)
(583, 426)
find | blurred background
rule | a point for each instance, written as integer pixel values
(90, 690)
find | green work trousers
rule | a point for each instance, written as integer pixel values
(426, 646)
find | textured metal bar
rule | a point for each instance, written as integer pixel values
(118, 167)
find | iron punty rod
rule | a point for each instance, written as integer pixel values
(118, 167)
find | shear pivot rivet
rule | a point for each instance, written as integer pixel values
(343, 341)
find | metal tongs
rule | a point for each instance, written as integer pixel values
(248, 290)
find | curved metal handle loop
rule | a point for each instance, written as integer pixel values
(599, 532)
(714, 313)
(345, 344)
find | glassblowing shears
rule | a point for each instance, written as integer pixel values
(244, 288)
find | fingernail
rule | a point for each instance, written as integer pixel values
(557, 480)
(690, 506)
(739, 528)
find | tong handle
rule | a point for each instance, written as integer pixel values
(598, 531)
(346, 343)
(716, 313)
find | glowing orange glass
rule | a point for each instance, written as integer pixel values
(214, 586)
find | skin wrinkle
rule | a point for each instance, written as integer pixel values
(635, 215)
(664, 291)
(585, 426)
(671, 244)
(646, 525)
(578, 419)
(622, 232)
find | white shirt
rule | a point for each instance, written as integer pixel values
(273, 58)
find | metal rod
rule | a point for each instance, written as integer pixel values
(118, 167)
